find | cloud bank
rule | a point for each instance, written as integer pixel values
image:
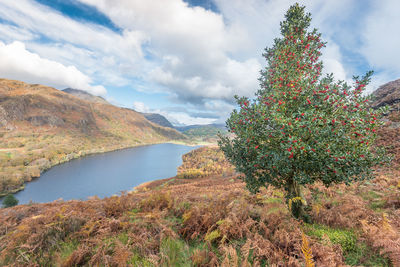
(17, 62)
(198, 57)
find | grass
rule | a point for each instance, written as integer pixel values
(345, 238)
(355, 252)
(67, 248)
(174, 252)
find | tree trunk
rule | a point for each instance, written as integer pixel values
(296, 200)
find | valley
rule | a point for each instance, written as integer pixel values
(42, 127)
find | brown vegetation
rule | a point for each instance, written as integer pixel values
(209, 221)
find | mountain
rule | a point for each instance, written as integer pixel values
(85, 96)
(158, 119)
(41, 126)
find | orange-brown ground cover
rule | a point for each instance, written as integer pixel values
(209, 221)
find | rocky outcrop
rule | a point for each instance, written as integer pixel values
(387, 95)
(45, 120)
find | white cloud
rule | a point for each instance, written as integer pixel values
(103, 54)
(332, 58)
(10, 33)
(141, 107)
(18, 63)
(182, 118)
(381, 38)
(261, 21)
(195, 48)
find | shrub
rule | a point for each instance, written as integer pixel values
(9, 201)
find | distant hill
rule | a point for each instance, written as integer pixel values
(204, 133)
(153, 117)
(158, 119)
(41, 126)
(188, 127)
(85, 95)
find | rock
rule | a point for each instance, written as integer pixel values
(45, 120)
(387, 95)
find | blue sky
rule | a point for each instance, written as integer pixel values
(183, 59)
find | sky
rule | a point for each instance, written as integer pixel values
(184, 59)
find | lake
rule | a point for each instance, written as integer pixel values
(105, 174)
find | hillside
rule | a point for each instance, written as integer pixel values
(389, 135)
(211, 220)
(42, 126)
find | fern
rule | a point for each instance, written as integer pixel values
(305, 248)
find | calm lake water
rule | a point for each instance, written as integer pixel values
(105, 174)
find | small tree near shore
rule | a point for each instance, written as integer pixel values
(302, 127)
(9, 201)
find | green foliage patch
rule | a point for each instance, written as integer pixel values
(9, 201)
(355, 252)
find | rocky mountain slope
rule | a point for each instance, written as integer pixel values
(389, 135)
(387, 94)
(158, 119)
(41, 126)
